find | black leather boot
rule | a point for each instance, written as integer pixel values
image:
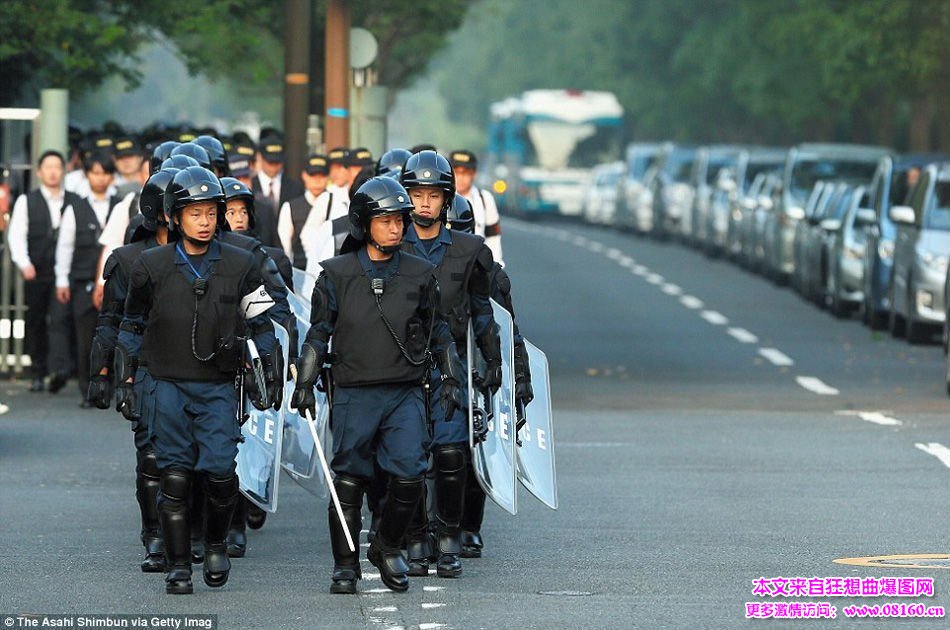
(384, 552)
(173, 513)
(198, 505)
(473, 512)
(418, 548)
(255, 516)
(450, 476)
(346, 563)
(221, 497)
(237, 533)
(147, 484)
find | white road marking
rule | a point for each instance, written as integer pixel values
(580, 241)
(777, 357)
(872, 416)
(430, 626)
(691, 302)
(375, 591)
(432, 605)
(433, 589)
(742, 335)
(815, 385)
(626, 261)
(671, 289)
(595, 247)
(640, 270)
(386, 609)
(714, 317)
(367, 575)
(654, 278)
(936, 449)
(614, 254)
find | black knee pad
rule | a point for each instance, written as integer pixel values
(406, 491)
(450, 458)
(148, 464)
(349, 490)
(221, 489)
(175, 484)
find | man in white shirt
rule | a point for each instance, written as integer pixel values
(77, 259)
(339, 174)
(316, 234)
(487, 220)
(276, 185)
(295, 214)
(32, 241)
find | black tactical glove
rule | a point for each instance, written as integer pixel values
(251, 390)
(125, 402)
(309, 364)
(490, 347)
(524, 393)
(450, 396)
(492, 377)
(274, 377)
(100, 391)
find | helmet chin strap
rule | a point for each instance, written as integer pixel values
(422, 221)
(196, 242)
(386, 249)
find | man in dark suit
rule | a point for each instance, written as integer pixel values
(274, 185)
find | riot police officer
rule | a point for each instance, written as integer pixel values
(152, 233)
(391, 162)
(380, 308)
(190, 305)
(463, 267)
(461, 217)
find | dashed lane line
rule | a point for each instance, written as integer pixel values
(936, 449)
(714, 317)
(742, 335)
(875, 417)
(671, 289)
(777, 357)
(815, 385)
(691, 302)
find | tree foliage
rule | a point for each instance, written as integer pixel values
(719, 70)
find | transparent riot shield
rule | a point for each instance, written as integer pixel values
(493, 457)
(536, 464)
(259, 455)
(298, 455)
(303, 288)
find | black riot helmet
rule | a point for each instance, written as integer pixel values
(236, 189)
(391, 162)
(428, 168)
(195, 152)
(377, 197)
(192, 185)
(219, 156)
(151, 199)
(161, 153)
(179, 162)
(460, 216)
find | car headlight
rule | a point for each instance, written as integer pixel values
(938, 262)
(885, 249)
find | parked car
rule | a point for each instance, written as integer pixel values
(736, 215)
(845, 243)
(600, 198)
(640, 157)
(893, 180)
(814, 260)
(921, 255)
(805, 165)
(819, 197)
(670, 193)
(761, 219)
(709, 162)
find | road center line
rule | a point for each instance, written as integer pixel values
(692, 302)
(872, 416)
(433, 589)
(671, 289)
(936, 449)
(815, 385)
(386, 609)
(614, 254)
(428, 605)
(654, 278)
(595, 247)
(626, 261)
(742, 335)
(714, 317)
(776, 357)
(640, 270)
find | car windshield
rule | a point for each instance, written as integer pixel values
(808, 171)
(937, 216)
(678, 165)
(639, 163)
(716, 164)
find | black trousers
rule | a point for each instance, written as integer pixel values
(61, 344)
(38, 295)
(85, 317)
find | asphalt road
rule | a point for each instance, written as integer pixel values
(711, 429)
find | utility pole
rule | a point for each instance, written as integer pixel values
(298, 15)
(337, 74)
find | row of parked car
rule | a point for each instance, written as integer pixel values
(855, 229)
